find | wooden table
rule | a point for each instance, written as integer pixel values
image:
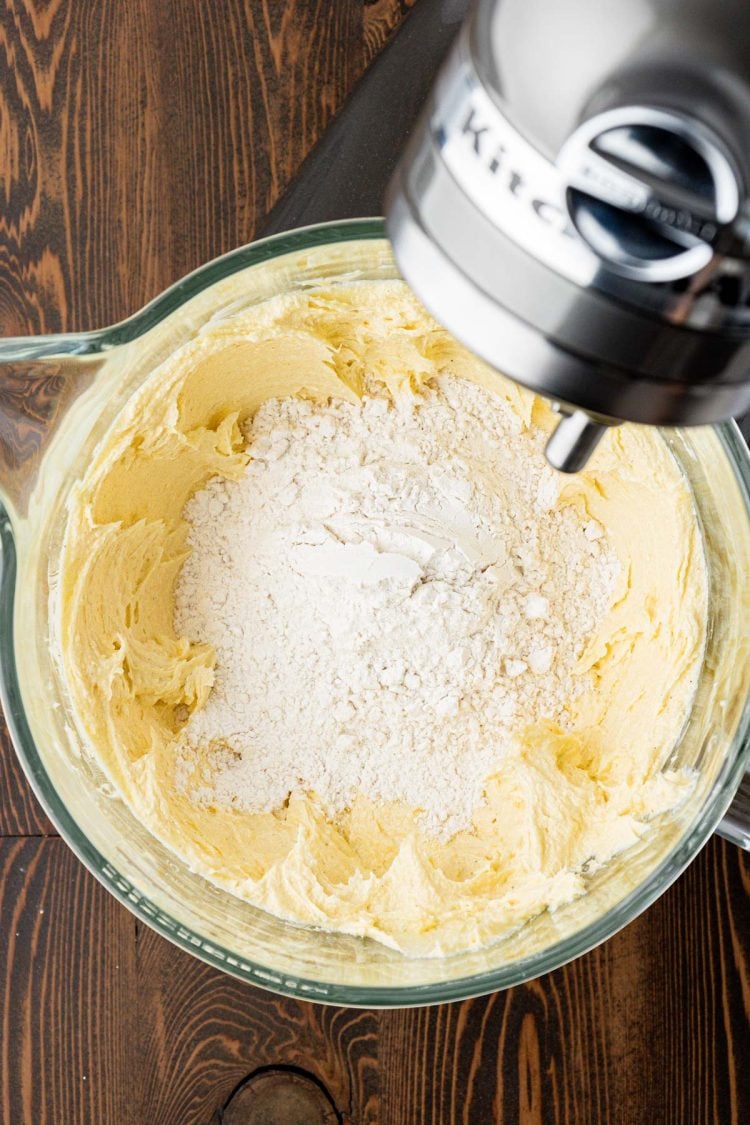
(139, 138)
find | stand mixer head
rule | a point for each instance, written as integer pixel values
(573, 206)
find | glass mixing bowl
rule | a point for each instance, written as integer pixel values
(58, 396)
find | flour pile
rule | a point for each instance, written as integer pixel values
(392, 596)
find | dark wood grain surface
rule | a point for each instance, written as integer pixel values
(139, 138)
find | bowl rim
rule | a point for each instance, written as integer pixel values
(364, 996)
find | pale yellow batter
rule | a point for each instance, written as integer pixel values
(567, 800)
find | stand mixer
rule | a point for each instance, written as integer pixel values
(573, 207)
(572, 201)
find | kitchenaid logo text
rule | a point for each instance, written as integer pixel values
(494, 158)
(518, 190)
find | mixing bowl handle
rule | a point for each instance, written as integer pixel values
(30, 349)
(736, 824)
(40, 376)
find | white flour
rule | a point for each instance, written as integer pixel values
(391, 593)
